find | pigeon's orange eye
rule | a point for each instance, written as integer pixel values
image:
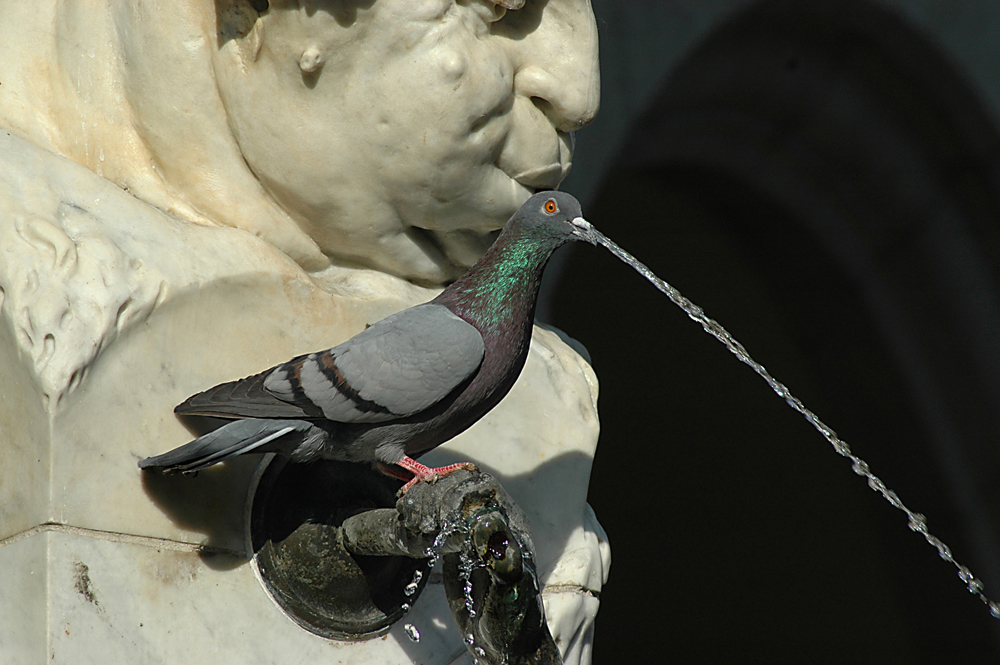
(550, 206)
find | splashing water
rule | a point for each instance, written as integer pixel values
(449, 526)
(917, 522)
(414, 584)
(465, 567)
(412, 632)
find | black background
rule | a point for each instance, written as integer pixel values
(823, 182)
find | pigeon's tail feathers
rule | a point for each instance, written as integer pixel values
(235, 438)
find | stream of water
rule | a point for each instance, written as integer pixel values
(917, 522)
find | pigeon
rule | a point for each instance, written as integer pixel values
(406, 384)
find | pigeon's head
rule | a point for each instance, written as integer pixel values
(554, 215)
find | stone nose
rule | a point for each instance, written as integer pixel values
(558, 65)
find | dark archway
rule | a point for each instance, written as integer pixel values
(823, 183)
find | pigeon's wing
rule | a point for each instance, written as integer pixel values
(399, 366)
(245, 398)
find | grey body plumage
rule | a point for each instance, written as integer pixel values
(406, 384)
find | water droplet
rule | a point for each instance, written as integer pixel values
(975, 586)
(412, 632)
(918, 523)
(995, 610)
(411, 588)
(860, 468)
(417, 576)
(481, 652)
(470, 606)
(964, 574)
(405, 607)
(470, 638)
(465, 567)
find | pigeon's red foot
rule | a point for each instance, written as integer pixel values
(420, 472)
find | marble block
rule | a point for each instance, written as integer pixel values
(106, 597)
(24, 601)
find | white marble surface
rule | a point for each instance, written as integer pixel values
(24, 438)
(24, 601)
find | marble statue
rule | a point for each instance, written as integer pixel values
(193, 191)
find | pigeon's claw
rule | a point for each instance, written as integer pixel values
(430, 474)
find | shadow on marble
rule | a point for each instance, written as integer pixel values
(188, 502)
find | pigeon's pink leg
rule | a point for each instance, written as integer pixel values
(421, 472)
(394, 471)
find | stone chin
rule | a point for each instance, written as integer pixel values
(449, 242)
(454, 232)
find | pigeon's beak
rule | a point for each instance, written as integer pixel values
(582, 230)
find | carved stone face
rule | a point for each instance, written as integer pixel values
(398, 133)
